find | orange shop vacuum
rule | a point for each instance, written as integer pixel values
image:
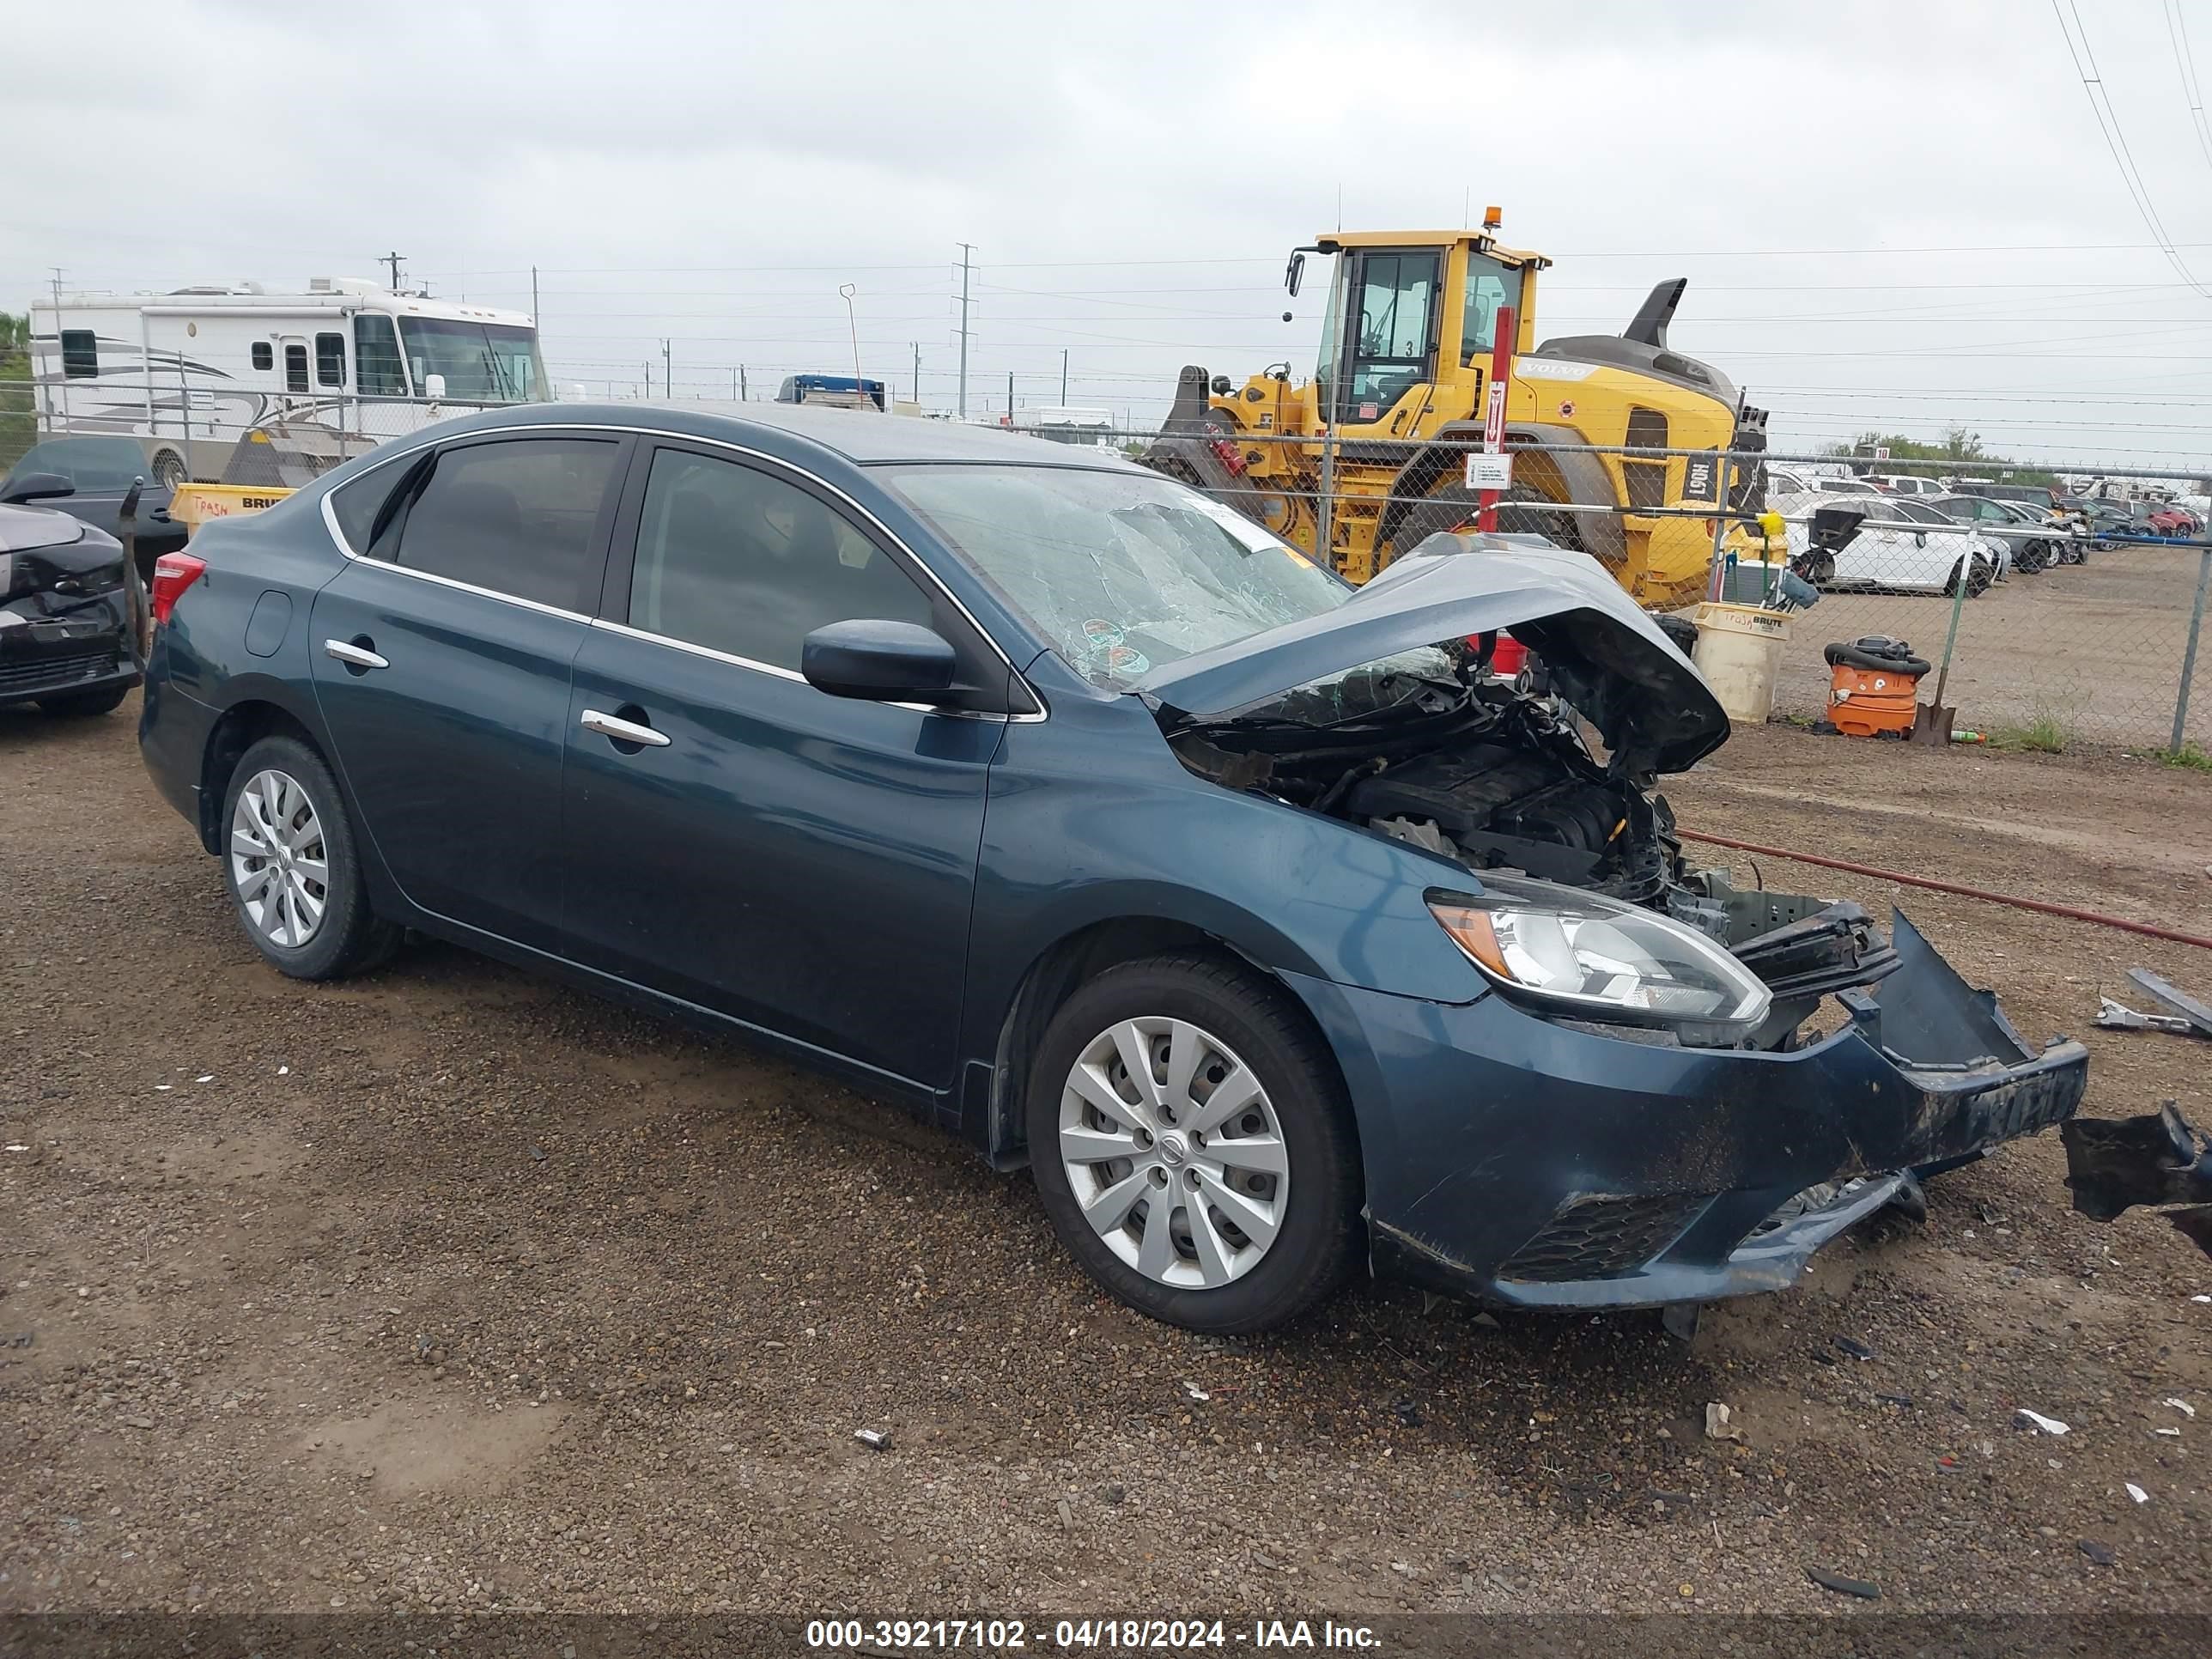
(1873, 685)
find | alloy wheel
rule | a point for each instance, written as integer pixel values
(1174, 1152)
(279, 863)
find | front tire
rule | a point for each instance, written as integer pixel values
(1192, 1143)
(291, 862)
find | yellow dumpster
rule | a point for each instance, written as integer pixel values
(194, 504)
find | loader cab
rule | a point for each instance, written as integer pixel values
(1410, 324)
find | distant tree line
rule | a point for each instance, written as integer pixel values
(18, 424)
(1916, 458)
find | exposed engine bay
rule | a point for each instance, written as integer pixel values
(1429, 749)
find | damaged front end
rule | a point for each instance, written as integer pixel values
(1662, 1087)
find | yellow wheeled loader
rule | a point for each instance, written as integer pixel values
(1406, 358)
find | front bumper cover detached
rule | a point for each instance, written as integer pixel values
(1533, 1162)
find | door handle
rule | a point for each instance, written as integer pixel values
(622, 731)
(353, 656)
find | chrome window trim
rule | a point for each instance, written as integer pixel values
(1031, 716)
(782, 673)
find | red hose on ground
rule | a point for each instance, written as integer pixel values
(2068, 911)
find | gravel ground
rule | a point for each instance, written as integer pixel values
(449, 1289)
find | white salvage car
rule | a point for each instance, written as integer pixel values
(1851, 541)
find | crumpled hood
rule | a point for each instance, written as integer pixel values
(1608, 657)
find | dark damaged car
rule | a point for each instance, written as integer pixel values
(1072, 811)
(72, 613)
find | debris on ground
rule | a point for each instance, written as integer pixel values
(2118, 1016)
(2179, 1405)
(2159, 1158)
(2028, 1419)
(2198, 1015)
(2136, 1493)
(1409, 1413)
(2100, 1553)
(874, 1439)
(1853, 1347)
(1843, 1586)
(1717, 1427)
(1192, 1393)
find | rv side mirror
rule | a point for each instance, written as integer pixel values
(433, 387)
(38, 487)
(1295, 273)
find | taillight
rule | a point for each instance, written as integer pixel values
(173, 574)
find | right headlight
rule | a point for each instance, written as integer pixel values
(1570, 951)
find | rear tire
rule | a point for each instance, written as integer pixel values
(322, 928)
(84, 705)
(168, 468)
(1243, 1033)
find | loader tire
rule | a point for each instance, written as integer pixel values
(1521, 511)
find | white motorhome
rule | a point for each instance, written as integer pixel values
(1060, 424)
(340, 366)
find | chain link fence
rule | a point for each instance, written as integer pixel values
(2049, 621)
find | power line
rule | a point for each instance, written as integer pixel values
(2108, 123)
(2176, 31)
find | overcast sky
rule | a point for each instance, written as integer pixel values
(1892, 215)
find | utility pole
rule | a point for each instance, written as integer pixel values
(846, 290)
(733, 385)
(744, 391)
(667, 370)
(917, 370)
(392, 259)
(966, 249)
(533, 295)
(1009, 398)
(1063, 377)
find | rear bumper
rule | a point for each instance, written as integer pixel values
(172, 740)
(1531, 1163)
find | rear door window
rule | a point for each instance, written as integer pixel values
(519, 516)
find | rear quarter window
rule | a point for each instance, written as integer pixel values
(355, 504)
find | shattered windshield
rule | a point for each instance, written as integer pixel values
(1121, 571)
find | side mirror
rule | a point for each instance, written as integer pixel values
(877, 661)
(1294, 273)
(38, 487)
(433, 387)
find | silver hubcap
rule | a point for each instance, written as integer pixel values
(1174, 1152)
(278, 863)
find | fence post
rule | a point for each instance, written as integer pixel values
(1951, 636)
(1325, 553)
(1721, 465)
(2188, 652)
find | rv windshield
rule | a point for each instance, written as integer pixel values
(483, 362)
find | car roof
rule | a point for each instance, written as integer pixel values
(864, 437)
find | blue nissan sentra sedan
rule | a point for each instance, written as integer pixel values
(1077, 813)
